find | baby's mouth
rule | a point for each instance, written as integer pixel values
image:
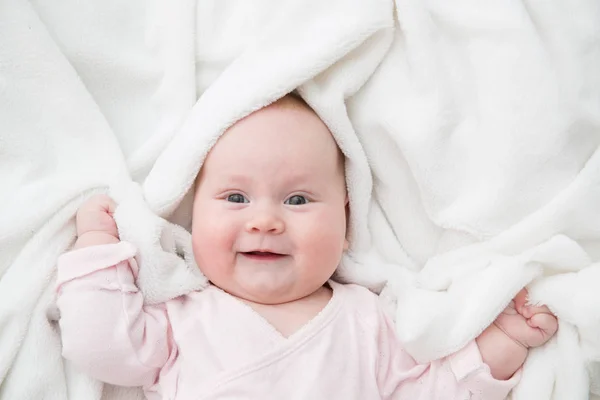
(262, 255)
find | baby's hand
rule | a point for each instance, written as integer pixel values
(504, 344)
(95, 223)
(527, 325)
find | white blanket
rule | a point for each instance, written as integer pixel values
(479, 121)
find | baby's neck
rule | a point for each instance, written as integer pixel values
(289, 317)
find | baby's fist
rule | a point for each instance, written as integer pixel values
(95, 223)
(528, 325)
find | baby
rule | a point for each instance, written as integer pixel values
(269, 229)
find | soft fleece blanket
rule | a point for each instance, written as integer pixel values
(471, 130)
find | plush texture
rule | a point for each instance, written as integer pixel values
(471, 131)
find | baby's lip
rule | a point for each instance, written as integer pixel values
(263, 252)
(263, 255)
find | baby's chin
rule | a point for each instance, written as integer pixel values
(271, 297)
(269, 294)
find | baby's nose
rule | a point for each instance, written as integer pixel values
(266, 223)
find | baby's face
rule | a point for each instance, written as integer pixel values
(269, 220)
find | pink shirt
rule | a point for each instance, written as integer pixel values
(210, 345)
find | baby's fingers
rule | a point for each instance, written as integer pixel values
(520, 300)
(529, 311)
(100, 202)
(545, 322)
(96, 214)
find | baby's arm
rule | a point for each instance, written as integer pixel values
(106, 330)
(462, 375)
(483, 370)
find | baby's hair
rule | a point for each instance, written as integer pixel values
(293, 100)
(297, 96)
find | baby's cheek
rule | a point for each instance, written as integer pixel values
(212, 244)
(328, 230)
(325, 245)
(211, 260)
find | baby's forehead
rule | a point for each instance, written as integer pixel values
(288, 126)
(288, 114)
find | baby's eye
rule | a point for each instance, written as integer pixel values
(237, 198)
(296, 200)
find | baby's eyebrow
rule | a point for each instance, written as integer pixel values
(295, 181)
(302, 178)
(235, 178)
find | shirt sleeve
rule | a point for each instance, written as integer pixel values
(106, 329)
(462, 375)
